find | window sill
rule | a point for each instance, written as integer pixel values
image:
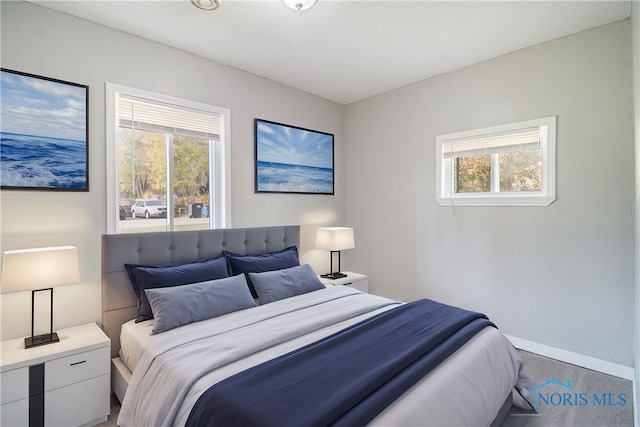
(522, 200)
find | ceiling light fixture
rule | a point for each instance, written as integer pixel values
(299, 4)
(206, 4)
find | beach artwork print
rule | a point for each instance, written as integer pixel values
(290, 159)
(43, 133)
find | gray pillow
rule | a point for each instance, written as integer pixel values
(181, 305)
(276, 285)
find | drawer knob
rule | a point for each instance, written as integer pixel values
(77, 363)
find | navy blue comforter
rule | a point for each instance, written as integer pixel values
(346, 379)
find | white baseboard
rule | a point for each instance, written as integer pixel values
(577, 359)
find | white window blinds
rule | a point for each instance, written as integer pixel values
(525, 139)
(134, 113)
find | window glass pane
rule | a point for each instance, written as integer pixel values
(472, 174)
(142, 178)
(521, 171)
(191, 196)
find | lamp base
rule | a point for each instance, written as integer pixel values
(41, 340)
(333, 276)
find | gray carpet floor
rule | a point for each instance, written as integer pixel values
(564, 407)
(595, 399)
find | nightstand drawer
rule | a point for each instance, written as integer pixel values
(86, 402)
(15, 413)
(78, 367)
(14, 385)
(353, 280)
(361, 285)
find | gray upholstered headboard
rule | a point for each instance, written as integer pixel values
(119, 300)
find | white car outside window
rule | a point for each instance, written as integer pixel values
(148, 208)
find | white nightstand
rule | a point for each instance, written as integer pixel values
(60, 384)
(355, 280)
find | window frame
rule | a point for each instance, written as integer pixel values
(219, 157)
(445, 194)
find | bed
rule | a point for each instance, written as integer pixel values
(161, 378)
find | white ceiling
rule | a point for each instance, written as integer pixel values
(346, 51)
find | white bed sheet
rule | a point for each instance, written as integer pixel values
(467, 389)
(134, 338)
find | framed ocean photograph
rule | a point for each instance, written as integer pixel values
(290, 159)
(44, 133)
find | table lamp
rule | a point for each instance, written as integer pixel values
(335, 239)
(39, 269)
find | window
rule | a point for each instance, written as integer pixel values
(166, 160)
(506, 165)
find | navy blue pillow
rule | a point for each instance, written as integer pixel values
(148, 277)
(259, 263)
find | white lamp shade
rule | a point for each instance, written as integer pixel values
(40, 268)
(335, 238)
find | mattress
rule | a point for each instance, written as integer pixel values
(466, 389)
(134, 338)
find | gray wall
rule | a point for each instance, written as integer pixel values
(47, 43)
(561, 275)
(635, 20)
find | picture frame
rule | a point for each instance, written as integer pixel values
(291, 159)
(44, 133)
